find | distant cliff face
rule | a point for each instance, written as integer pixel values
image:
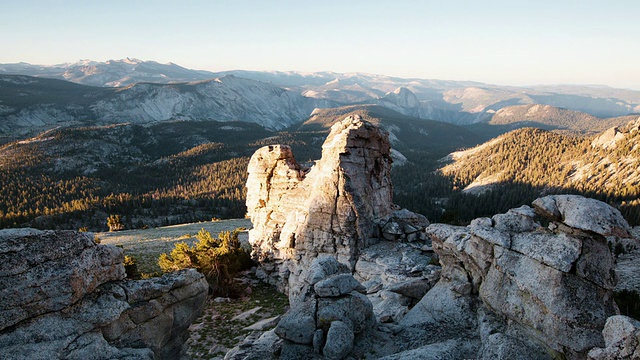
(458, 102)
(65, 297)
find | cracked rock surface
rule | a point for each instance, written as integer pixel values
(66, 297)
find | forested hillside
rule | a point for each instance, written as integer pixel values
(165, 174)
(549, 118)
(519, 166)
(185, 171)
(182, 171)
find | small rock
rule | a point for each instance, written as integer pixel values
(339, 341)
(263, 324)
(299, 324)
(337, 285)
(245, 315)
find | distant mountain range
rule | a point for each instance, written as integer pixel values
(112, 73)
(136, 91)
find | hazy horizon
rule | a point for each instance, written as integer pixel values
(497, 42)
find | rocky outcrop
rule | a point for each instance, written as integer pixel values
(64, 296)
(553, 285)
(340, 206)
(508, 287)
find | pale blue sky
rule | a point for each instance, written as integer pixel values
(499, 42)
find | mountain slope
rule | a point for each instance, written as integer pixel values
(111, 73)
(530, 162)
(165, 173)
(29, 104)
(410, 135)
(549, 117)
(458, 102)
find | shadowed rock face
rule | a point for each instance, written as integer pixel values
(334, 208)
(64, 296)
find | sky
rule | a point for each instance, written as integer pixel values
(497, 42)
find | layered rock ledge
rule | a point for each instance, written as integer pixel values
(552, 285)
(66, 297)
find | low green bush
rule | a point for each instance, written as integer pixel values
(218, 259)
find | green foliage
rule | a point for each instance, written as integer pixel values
(171, 175)
(549, 117)
(219, 259)
(628, 302)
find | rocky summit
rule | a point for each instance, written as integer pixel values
(66, 297)
(533, 283)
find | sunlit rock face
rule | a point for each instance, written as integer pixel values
(66, 297)
(334, 208)
(553, 283)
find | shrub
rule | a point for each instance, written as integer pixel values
(114, 222)
(219, 259)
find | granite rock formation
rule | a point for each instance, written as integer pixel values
(622, 340)
(340, 206)
(508, 286)
(66, 297)
(552, 286)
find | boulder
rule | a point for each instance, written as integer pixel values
(325, 317)
(339, 341)
(299, 324)
(265, 346)
(555, 283)
(45, 271)
(337, 285)
(622, 340)
(583, 213)
(79, 305)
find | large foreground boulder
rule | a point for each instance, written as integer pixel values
(66, 297)
(554, 283)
